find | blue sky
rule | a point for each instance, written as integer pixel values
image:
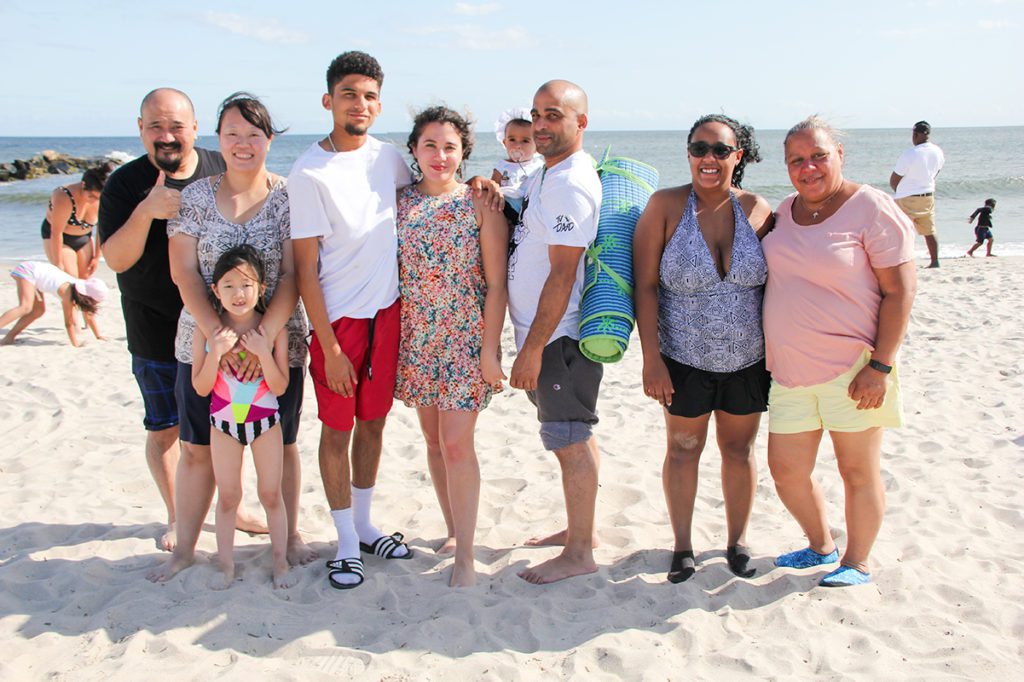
(81, 68)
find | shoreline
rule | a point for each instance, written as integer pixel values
(83, 515)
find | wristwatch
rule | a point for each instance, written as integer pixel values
(881, 367)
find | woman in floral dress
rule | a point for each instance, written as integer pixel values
(452, 252)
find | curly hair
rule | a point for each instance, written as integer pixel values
(251, 109)
(353, 62)
(243, 254)
(744, 140)
(442, 114)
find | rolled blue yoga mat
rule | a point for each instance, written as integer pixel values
(606, 312)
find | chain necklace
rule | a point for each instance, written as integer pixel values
(814, 214)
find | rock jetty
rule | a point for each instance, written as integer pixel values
(50, 162)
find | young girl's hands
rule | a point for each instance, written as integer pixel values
(256, 341)
(224, 339)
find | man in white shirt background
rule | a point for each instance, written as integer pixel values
(913, 181)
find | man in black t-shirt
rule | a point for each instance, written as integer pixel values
(136, 202)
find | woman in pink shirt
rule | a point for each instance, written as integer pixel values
(840, 285)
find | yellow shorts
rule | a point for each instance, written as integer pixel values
(828, 406)
(921, 210)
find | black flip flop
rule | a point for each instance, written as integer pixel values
(385, 547)
(683, 566)
(345, 567)
(738, 559)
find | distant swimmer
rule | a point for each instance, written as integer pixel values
(913, 181)
(983, 231)
(35, 279)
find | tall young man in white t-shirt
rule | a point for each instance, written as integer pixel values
(913, 183)
(545, 285)
(342, 201)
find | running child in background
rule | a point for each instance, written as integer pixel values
(34, 279)
(514, 130)
(244, 413)
(983, 230)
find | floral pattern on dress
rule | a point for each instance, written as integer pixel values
(215, 234)
(441, 279)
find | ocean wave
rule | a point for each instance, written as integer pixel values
(35, 196)
(1007, 186)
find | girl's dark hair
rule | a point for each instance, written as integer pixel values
(744, 140)
(991, 203)
(251, 109)
(87, 304)
(243, 254)
(93, 179)
(441, 114)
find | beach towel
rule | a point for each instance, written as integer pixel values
(606, 312)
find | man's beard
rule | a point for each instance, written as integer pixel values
(353, 129)
(168, 165)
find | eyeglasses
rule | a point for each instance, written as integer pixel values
(699, 150)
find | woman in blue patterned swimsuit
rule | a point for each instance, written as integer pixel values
(700, 278)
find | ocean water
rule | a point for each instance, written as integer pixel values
(980, 163)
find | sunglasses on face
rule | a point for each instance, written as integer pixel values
(720, 150)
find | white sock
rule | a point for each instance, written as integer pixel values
(362, 499)
(348, 541)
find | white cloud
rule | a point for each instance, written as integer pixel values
(994, 24)
(471, 10)
(473, 37)
(266, 30)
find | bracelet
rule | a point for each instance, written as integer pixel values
(881, 367)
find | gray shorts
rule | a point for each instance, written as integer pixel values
(566, 395)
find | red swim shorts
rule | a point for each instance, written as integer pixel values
(375, 366)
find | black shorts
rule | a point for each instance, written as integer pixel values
(194, 409)
(698, 392)
(982, 233)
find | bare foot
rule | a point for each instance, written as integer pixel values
(463, 575)
(169, 568)
(447, 547)
(554, 540)
(169, 540)
(299, 553)
(247, 523)
(559, 568)
(223, 580)
(284, 577)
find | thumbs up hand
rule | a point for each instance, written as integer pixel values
(163, 202)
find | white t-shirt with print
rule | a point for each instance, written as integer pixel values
(563, 204)
(348, 201)
(918, 165)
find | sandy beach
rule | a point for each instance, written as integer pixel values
(81, 516)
